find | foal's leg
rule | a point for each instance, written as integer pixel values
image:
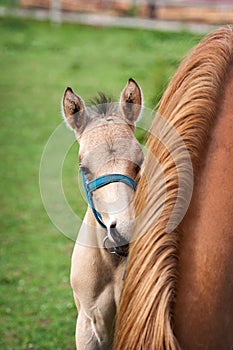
(92, 279)
(95, 326)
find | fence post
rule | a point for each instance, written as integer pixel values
(55, 11)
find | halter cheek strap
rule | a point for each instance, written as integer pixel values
(101, 181)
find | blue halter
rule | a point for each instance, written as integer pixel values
(91, 186)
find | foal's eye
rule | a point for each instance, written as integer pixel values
(84, 169)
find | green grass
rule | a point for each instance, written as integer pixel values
(37, 62)
(9, 3)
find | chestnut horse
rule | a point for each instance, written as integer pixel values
(178, 291)
(109, 160)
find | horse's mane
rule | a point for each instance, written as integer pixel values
(191, 104)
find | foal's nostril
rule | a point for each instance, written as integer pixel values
(113, 225)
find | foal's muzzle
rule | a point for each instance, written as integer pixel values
(121, 247)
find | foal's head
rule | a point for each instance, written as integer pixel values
(105, 133)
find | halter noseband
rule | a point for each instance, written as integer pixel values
(101, 181)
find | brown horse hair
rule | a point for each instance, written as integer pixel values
(191, 104)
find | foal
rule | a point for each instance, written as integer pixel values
(109, 158)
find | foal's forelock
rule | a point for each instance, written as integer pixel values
(102, 105)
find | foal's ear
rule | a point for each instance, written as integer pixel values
(131, 101)
(74, 111)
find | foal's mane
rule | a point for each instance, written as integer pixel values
(102, 104)
(191, 104)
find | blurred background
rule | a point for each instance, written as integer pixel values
(210, 11)
(40, 54)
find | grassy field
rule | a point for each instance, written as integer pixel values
(38, 61)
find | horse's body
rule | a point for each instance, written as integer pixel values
(110, 158)
(204, 303)
(178, 291)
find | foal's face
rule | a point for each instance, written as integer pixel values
(108, 146)
(111, 148)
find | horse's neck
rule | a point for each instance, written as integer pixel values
(92, 236)
(205, 285)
